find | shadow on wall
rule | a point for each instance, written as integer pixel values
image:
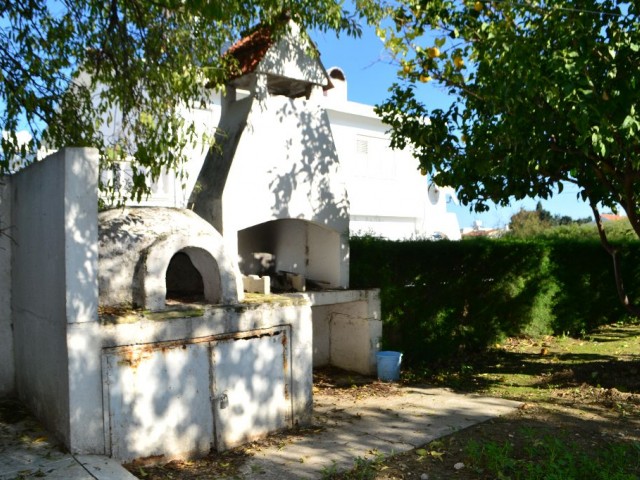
(54, 208)
(159, 395)
(7, 368)
(309, 209)
(138, 246)
(314, 162)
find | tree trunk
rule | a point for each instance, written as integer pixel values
(632, 308)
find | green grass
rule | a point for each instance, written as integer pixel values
(518, 369)
(577, 422)
(363, 469)
(551, 457)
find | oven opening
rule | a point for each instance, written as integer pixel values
(184, 281)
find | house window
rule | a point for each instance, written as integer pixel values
(374, 158)
(362, 146)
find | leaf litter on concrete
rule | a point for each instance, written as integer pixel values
(580, 413)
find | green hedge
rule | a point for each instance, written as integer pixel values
(441, 299)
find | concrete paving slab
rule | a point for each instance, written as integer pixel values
(372, 426)
(27, 451)
(104, 468)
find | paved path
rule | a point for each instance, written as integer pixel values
(351, 429)
(372, 426)
(28, 452)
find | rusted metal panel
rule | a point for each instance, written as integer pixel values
(166, 399)
(158, 400)
(251, 380)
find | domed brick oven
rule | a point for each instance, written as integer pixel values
(151, 256)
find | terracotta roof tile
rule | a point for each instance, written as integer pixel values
(249, 50)
(611, 217)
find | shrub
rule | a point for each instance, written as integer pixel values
(442, 299)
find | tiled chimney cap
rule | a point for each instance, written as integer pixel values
(251, 52)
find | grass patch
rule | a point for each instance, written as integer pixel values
(363, 469)
(580, 414)
(552, 457)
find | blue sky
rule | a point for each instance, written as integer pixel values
(370, 73)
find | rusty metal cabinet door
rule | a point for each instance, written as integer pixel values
(250, 387)
(157, 400)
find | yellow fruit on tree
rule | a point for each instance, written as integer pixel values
(458, 62)
(425, 78)
(478, 6)
(433, 52)
(423, 171)
(407, 68)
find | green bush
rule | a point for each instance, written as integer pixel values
(442, 299)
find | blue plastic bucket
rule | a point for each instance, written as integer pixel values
(389, 366)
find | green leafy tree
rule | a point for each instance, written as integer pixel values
(65, 64)
(544, 94)
(527, 223)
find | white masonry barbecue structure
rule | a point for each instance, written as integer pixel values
(128, 332)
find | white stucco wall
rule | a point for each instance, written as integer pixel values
(388, 195)
(386, 192)
(285, 167)
(7, 371)
(277, 161)
(347, 329)
(156, 378)
(54, 284)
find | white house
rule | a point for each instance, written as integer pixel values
(387, 195)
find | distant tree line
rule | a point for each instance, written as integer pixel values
(531, 223)
(540, 223)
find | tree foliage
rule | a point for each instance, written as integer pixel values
(545, 93)
(527, 223)
(66, 64)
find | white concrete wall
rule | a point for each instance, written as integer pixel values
(81, 275)
(321, 335)
(347, 328)
(179, 391)
(278, 161)
(7, 370)
(290, 58)
(300, 247)
(310, 250)
(54, 272)
(387, 194)
(285, 167)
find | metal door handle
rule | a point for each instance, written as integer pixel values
(223, 401)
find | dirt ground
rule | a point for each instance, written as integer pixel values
(579, 392)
